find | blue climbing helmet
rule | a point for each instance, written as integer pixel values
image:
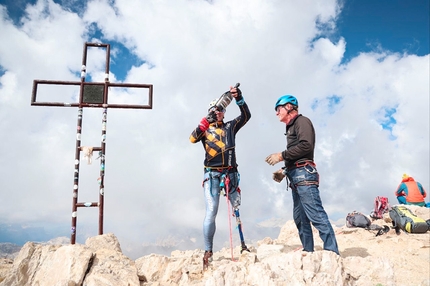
(287, 99)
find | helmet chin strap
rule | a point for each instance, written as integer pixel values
(291, 110)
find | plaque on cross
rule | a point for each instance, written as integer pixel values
(91, 95)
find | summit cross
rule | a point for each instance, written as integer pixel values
(91, 95)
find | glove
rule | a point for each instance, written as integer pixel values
(278, 176)
(274, 158)
(211, 117)
(204, 124)
(238, 94)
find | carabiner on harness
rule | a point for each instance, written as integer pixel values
(222, 185)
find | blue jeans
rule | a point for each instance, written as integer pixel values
(308, 209)
(211, 188)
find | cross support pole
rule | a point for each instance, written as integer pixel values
(91, 95)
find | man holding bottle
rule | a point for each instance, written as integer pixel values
(220, 166)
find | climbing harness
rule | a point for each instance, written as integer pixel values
(308, 165)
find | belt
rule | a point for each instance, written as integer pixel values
(301, 163)
(221, 169)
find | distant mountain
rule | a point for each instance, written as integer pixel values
(9, 250)
(20, 234)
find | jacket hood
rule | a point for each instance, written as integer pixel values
(408, 179)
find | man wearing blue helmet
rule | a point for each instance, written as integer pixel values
(301, 171)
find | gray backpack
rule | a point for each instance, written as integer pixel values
(357, 219)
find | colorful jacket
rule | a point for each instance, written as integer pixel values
(219, 140)
(412, 190)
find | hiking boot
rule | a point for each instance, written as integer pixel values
(207, 257)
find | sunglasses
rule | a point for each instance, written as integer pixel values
(221, 110)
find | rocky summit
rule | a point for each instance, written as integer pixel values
(365, 259)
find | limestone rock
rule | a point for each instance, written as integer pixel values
(99, 263)
(5, 267)
(111, 267)
(107, 241)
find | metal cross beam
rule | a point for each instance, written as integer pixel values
(94, 95)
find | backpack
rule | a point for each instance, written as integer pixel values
(381, 206)
(357, 219)
(404, 219)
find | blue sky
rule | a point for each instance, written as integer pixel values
(396, 25)
(360, 70)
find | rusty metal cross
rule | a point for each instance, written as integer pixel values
(91, 95)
